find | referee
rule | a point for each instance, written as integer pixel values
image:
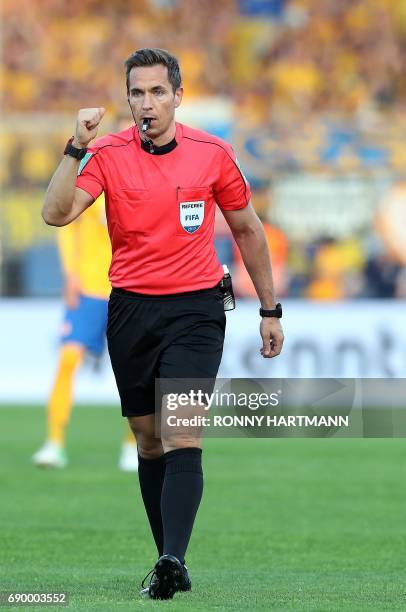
(162, 181)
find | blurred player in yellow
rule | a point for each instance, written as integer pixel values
(85, 254)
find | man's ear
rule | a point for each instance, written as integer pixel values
(178, 96)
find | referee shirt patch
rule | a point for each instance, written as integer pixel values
(84, 161)
(191, 215)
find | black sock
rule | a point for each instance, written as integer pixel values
(181, 495)
(151, 473)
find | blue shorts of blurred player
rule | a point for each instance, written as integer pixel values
(86, 324)
(84, 330)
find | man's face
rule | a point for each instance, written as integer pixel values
(151, 96)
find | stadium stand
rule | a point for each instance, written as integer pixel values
(317, 90)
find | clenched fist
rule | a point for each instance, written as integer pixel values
(87, 125)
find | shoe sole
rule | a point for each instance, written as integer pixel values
(169, 577)
(185, 588)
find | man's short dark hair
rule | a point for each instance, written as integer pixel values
(152, 57)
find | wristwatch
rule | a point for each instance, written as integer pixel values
(73, 151)
(276, 312)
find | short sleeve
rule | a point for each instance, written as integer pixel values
(90, 177)
(232, 190)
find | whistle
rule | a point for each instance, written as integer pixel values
(145, 124)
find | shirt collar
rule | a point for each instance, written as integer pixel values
(167, 148)
(155, 150)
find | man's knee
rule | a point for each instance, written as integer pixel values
(142, 424)
(170, 443)
(149, 446)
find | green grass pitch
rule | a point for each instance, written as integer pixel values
(284, 524)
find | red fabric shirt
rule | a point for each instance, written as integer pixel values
(160, 208)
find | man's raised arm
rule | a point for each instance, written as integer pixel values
(64, 201)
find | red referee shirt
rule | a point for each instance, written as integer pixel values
(160, 207)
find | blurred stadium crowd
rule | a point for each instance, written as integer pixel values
(317, 90)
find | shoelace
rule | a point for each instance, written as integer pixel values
(151, 575)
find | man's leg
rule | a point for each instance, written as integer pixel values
(183, 486)
(59, 408)
(178, 337)
(151, 470)
(193, 352)
(60, 402)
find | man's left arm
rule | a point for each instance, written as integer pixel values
(249, 235)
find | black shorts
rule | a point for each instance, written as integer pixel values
(175, 336)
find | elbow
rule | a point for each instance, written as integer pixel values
(46, 218)
(51, 220)
(52, 215)
(247, 232)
